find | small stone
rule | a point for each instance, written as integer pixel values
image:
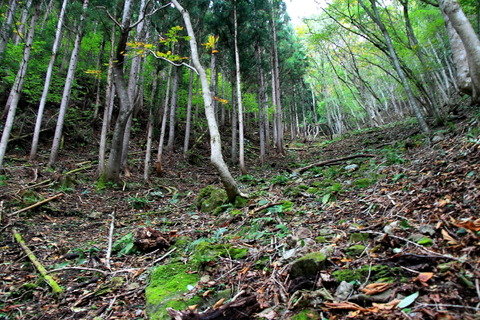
(426, 229)
(308, 266)
(351, 167)
(344, 290)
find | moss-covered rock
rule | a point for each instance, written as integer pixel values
(376, 273)
(206, 252)
(168, 284)
(355, 250)
(308, 266)
(211, 198)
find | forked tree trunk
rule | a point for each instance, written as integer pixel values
(15, 92)
(216, 156)
(48, 78)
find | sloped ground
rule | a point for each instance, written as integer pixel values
(400, 227)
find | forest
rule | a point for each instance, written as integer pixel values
(212, 159)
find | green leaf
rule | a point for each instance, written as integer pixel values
(408, 300)
(326, 198)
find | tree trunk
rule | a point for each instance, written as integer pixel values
(164, 123)
(374, 15)
(470, 41)
(188, 125)
(108, 109)
(6, 28)
(68, 88)
(173, 110)
(216, 156)
(16, 90)
(48, 78)
(241, 141)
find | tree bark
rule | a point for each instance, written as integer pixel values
(241, 141)
(471, 45)
(48, 78)
(16, 90)
(188, 125)
(68, 88)
(6, 28)
(216, 156)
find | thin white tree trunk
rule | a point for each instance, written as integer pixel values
(188, 125)
(22, 23)
(241, 141)
(67, 89)
(16, 90)
(48, 78)
(159, 163)
(173, 110)
(216, 156)
(6, 28)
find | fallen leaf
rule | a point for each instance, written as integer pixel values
(408, 300)
(344, 306)
(424, 277)
(374, 288)
(219, 303)
(448, 237)
(10, 308)
(470, 224)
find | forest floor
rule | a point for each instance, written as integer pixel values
(400, 226)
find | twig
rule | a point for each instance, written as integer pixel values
(36, 204)
(78, 169)
(334, 161)
(411, 242)
(448, 306)
(41, 269)
(164, 256)
(79, 268)
(110, 240)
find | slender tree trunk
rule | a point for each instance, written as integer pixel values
(6, 28)
(234, 115)
(67, 89)
(216, 156)
(173, 110)
(48, 78)
(16, 90)
(279, 142)
(148, 151)
(241, 141)
(108, 109)
(159, 164)
(374, 15)
(189, 115)
(20, 25)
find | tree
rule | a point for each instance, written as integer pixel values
(216, 156)
(455, 18)
(68, 87)
(16, 90)
(48, 78)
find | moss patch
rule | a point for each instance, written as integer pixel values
(211, 198)
(206, 252)
(308, 265)
(378, 272)
(168, 284)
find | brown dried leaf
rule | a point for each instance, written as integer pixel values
(448, 237)
(218, 304)
(470, 224)
(424, 277)
(374, 288)
(344, 306)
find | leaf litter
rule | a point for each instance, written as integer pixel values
(403, 244)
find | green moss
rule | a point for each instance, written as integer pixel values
(355, 250)
(168, 283)
(356, 237)
(308, 265)
(377, 272)
(364, 182)
(210, 198)
(306, 315)
(206, 252)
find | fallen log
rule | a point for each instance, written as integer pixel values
(333, 161)
(41, 269)
(36, 204)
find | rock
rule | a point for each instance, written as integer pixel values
(210, 198)
(303, 233)
(390, 228)
(344, 290)
(438, 137)
(426, 229)
(308, 266)
(351, 167)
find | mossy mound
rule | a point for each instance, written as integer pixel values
(308, 266)
(206, 252)
(168, 284)
(211, 198)
(378, 273)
